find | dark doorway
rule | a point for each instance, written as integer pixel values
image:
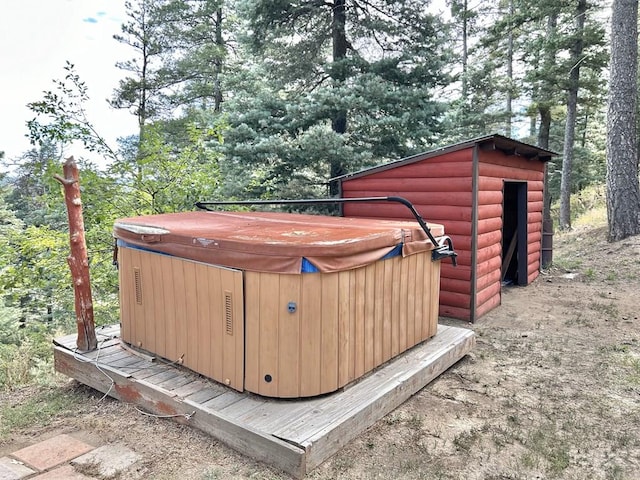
(514, 233)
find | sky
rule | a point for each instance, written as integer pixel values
(37, 37)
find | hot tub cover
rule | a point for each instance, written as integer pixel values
(273, 242)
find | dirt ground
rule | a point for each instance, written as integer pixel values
(552, 390)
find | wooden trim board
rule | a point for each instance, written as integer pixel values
(292, 435)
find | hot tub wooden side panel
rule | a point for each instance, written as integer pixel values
(184, 311)
(341, 325)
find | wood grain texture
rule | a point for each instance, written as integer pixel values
(440, 186)
(311, 327)
(369, 340)
(409, 184)
(433, 197)
(125, 282)
(345, 335)
(293, 436)
(490, 304)
(432, 305)
(345, 324)
(148, 342)
(456, 285)
(508, 172)
(180, 310)
(487, 239)
(489, 291)
(169, 289)
(155, 399)
(252, 333)
(329, 333)
(519, 164)
(268, 348)
(460, 272)
(457, 300)
(289, 333)
(178, 313)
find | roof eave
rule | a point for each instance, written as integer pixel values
(494, 141)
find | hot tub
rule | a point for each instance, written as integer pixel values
(281, 305)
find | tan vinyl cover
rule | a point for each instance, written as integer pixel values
(274, 242)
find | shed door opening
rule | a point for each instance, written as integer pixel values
(514, 233)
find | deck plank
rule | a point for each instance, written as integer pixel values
(292, 435)
(150, 369)
(113, 355)
(243, 407)
(160, 378)
(174, 383)
(340, 430)
(103, 349)
(125, 362)
(272, 414)
(136, 365)
(202, 396)
(68, 341)
(333, 408)
(221, 402)
(193, 386)
(261, 446)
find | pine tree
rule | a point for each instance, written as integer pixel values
(623, 189)
(359, 75)
(180, 48)
(570, 123)
(142, 91)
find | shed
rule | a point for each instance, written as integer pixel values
(488, 194)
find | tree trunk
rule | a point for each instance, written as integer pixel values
(545, 95)
(78, 259)
(547, 221)
(465, 55)
(623, 189)
(339, 44)
(585, 126)
(142, 99)
(217, 96)
(545, 126)
(339, 121)
(544, 108)
(509, 102)
(570, 125)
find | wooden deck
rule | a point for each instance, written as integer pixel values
(292, 435)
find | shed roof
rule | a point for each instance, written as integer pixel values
(494, 141)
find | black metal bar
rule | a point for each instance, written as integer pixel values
(441, 251)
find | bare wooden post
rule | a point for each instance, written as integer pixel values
(78, 259)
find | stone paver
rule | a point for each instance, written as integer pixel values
(11, 469)
(66, 472)
(52, 452)
(108, 461)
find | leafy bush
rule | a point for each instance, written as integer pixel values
(25, 351)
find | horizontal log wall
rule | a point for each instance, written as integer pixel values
(440, 189)
(494, 169)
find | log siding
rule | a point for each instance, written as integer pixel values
(463, 189)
